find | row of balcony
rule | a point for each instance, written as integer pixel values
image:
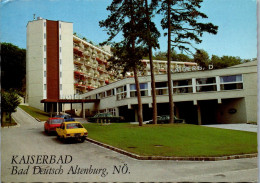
(87, 51)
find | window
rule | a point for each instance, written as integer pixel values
(110, 92)
(44, 60)
(182, 86)
(60, 74)
(45, 86)
(186, 82)
(161, 88)
(44, 47)
(121, 92)
(206, 80)
(60, 49)
(60, 86)
(60, 61)
(206, 84)
(60, 37)
(44, 35)
(230, 79)
(112, 111)
(143, 90)
(101, 95)
(44, 73)
(44, 24)
(232, 82)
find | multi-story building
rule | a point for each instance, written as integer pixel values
(200, 97)
(61, 65)
(49, 61)
(63, 68)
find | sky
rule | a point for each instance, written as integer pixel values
(237, 21)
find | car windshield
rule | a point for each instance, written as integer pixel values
(56, 121)
(74, 125)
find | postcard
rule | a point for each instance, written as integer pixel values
(129, 91)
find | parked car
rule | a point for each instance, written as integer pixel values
(105, 117)
(72, 130)
(164, 119)
(52, 123)
(66, 117)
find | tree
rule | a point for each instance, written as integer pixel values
(13, 67)
(150, 36)
(225, 61)
(182, 57)
(183, 29)
(160, 55)
(9, 102)
(124, 18)
(201, 57)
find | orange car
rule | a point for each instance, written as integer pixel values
(52, 123)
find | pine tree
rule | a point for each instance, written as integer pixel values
(150, 36)
(181, 19)
(124, 18)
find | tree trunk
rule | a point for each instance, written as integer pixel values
(151, 67)
(3, 114)
(169, 65)
(140, 106)
(132, 42)
(10, 117)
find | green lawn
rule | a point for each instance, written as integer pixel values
(36, 113)
(174, 140)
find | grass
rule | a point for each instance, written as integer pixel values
(36, 113)
(174, 140)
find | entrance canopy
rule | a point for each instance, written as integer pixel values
(59, 103)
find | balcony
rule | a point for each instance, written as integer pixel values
(77, 51)
(87, 53)
(101, 61)
(78, 61)
(79, 73)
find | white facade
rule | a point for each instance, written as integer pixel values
(66, 60)
(35, 58)
(223, 91)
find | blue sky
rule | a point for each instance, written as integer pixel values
(237, 35)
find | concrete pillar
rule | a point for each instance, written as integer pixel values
(218, 83)
(194, 85)
(83, 110)
(149, 89)
(51, 110)
(199, 115)
(117, 111)
(58, 108)
(127, 90)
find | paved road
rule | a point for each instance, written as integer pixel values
(29, 139)
(241, 127)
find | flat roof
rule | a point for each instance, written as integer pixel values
(70, 101)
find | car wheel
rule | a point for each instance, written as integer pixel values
(82, 139)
